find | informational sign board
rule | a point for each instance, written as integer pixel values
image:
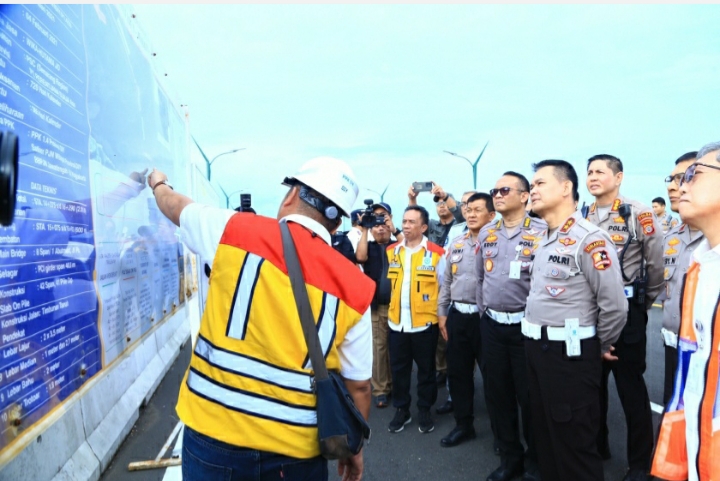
(89, 264)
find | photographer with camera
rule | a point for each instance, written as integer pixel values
(376, 220)
(637, 235)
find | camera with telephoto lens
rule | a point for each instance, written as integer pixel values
(369, 218)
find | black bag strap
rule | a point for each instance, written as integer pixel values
(303, 304)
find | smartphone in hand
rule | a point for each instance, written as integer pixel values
(422, 186)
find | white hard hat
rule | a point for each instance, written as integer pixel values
(330, 177)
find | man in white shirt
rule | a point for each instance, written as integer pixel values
(691, 414)
(415, 268)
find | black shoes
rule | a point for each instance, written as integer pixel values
(636, 475)
(445, 408)
(425, 424)
(505, 473)
(402, 417)
(457, 436)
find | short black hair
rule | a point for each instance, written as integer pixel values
(424, 216)
(686, 156)
(613, 162)
(659, 200)
(483, 196)
(563, 170)
(523, 180)
(576, 196)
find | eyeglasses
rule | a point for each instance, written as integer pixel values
(441, 203)
(691, 172)
(677, 178)
(462, 205)
(503, 191)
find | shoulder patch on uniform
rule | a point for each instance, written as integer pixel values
(594, 245)
(648, 228)
(601, 260)
(645, 215)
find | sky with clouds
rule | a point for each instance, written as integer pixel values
(388, 88)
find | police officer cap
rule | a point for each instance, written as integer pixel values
(355, 215)
(383, 206)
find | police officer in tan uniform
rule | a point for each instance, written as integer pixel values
(575, 312)
(503, 272)
(637, 236)
(678, 245)
(458, 316)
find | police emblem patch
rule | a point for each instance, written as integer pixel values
(454, 268)
(491, 238)
(455, 258)
(526, 252)
(566, 241)
(601, 260)
(617, 238)
(649, 229)
(554, 291)
(489, 265)
(554, 272)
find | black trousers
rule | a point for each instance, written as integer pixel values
(463, 351)
(628, 371)
(671, 362)
(506, 387)
(565, 409)
(404, 349)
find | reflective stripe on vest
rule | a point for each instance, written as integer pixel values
(252, 368)
(249, 273)
(326, 326)
(250, 403)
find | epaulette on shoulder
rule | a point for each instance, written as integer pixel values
(675, 230)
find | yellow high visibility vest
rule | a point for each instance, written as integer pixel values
(249, 380)
(425, 287)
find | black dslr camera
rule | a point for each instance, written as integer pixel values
(369, 219)
(245, 202)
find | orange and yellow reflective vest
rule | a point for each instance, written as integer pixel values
(424, 285)
(249, 380)
(670, 462)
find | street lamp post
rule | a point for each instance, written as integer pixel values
(382, 196)
(227, 196)
(472, 164)
(209, 162)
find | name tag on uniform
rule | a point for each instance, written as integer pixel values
(515, 268)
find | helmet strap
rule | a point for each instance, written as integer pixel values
(328, 210)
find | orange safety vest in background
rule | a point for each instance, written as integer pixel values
(249, 380)
(424, 286)
(671, 456)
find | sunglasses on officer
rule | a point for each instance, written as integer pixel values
(690, 173)
(503, 191)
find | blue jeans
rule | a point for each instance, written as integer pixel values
(207, 459)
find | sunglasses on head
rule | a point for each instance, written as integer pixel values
(689, 174)
(503, 191)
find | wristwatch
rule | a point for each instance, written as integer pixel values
(165, 181)
(397, 232)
